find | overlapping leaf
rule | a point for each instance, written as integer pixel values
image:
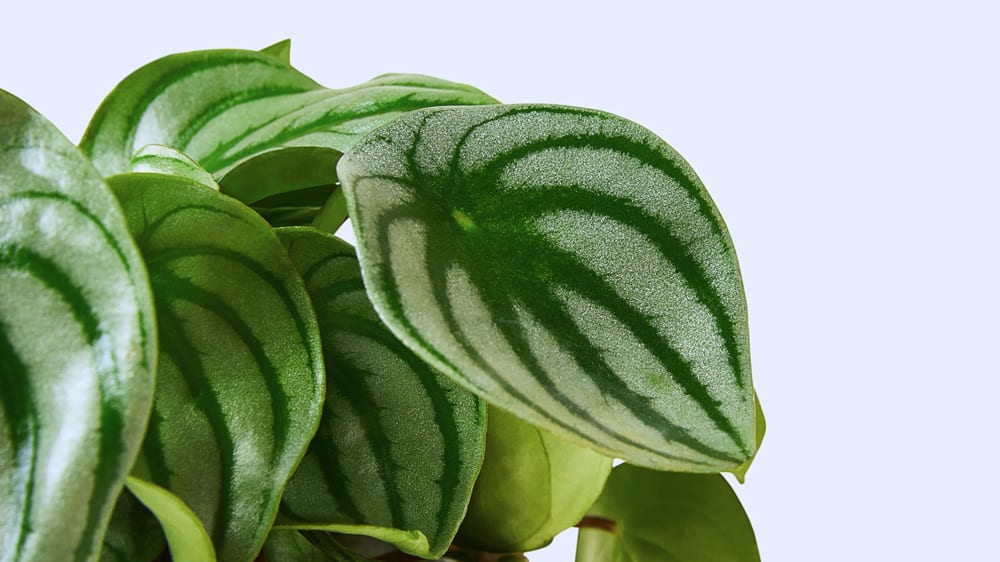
(185, 534)
(568, 266)
(399, 447)
(241, 379)
(77, 344)
(224, 108)
(649, 515)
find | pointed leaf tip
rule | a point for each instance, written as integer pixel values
(282, 50)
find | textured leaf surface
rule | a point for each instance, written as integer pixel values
(667, 516)
(399, 447)
(222, 107)
(185, 534)
(77, 344)
(568, 266)
(240, 385)
(159, 159)
(134, 534)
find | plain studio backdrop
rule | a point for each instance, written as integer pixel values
(851, 148)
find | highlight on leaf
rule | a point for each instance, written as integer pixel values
(240, 381)
(568, 266)
(225, 108)
(77, 344)
(385, 408)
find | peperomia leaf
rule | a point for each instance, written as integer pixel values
(159, 159)
(77, 344)
(241, 379)
(645, 515)
(224, 108)
(399, 447)
(185, 534)
(134, 534)
(568, 266)
(760, 428)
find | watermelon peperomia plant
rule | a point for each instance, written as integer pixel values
(193, 367)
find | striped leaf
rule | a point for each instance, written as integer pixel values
(645, 515)
(241, 379)
(185, 534)
(568, 266)
(77, 344)
(399, 447)
(223, 108)
(159, 159)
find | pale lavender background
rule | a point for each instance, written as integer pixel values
(852, 148)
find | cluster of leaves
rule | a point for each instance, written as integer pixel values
(192, 363)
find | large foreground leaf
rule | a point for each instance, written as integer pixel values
(648, 515)
(399, 447)
(224, 108)
(568, 266)
(241, 383)
(77, 344)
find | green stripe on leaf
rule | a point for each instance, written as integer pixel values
(241, 380)
(399, 446)
(77, 345)
(568, 266)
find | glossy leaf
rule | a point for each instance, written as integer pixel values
(226, 107)
(156, 158)
(651, 515)
(185, 534)
(399, 447)
(241, 379)
(568, 266)
(77, 344)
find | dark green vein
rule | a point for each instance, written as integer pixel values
(111, 417)
(361, 400)
(18, 409)
(177, 288)
(443, 408)
(554, 199)
(174, 342)
(566, 269)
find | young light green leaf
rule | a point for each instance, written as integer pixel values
(241, 379)
(282, 50)
(185, 534)
(646, 515)
(77, 344)
(399, 447)
(159, 159)
(568, 266)
(225, 107)
(134, 534)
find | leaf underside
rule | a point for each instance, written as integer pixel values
(385, 408)
(568, 266)
(241, 382)
(77, 344)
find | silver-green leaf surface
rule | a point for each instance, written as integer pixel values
(225, 107)
(399, 446)
(77, 344)
(241, 380)
(568, 266)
